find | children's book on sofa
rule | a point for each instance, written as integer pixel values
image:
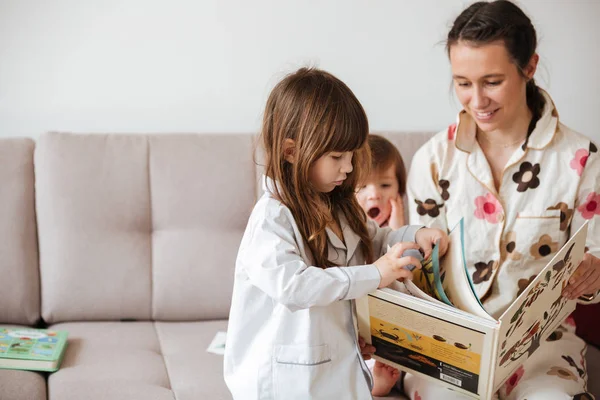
(31, 349)
(436, 327)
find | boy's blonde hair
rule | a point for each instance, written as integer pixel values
(383, 155)
(321, 115)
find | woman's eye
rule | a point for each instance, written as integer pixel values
(336, 157)
(495, 83)
(385, 185)
(464, 84)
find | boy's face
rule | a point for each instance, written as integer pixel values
(375, 194)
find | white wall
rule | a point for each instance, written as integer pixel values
(200, 66)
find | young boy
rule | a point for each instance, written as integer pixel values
(380, 196)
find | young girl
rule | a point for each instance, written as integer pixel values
(308, 252)
(380, 196)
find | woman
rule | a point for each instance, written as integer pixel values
(522, 181)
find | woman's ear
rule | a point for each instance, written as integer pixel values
(531, 67)
(289, 150)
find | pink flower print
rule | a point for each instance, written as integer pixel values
(452, 131)
(417, 397)
(514, 379)
(488, 208)
(578, 163)
(570, 321)
(591, 206)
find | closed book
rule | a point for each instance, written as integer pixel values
(31, 349)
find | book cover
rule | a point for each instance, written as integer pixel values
(31, 349)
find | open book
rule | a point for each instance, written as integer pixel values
(436, 327)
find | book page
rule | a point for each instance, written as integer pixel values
(434, 341)
(539, 310)
(457, 283)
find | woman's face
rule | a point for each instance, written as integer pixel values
(488, 84)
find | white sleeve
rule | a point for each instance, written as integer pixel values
(384, 237)
(270, 257)
(425, 203)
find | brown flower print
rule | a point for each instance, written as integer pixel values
(508, 246)
(527, 177)
(565, 214)
(593, 148)
(483, 271)
(562, 373)
(443, 186)
(543, 247)
(554, 336)
(523, 283)
(429, 207)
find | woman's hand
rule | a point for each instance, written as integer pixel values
(396, 220)
(585, 279)
(426, 238)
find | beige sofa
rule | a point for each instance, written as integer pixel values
(128, 242)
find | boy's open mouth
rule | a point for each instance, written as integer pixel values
(373, 212)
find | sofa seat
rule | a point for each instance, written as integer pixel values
(139, 360)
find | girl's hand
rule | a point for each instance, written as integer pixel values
(396, 220)
(428, 237)
(585, 279)
(365, 349)
(390, 265)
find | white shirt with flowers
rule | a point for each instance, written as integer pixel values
(549, 187)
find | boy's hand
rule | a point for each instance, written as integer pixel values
(428, 237)
(396, 220)
(585, 279)
(365, 349)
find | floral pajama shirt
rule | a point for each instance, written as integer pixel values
(549, 188)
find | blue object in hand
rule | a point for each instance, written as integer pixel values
(416, 253)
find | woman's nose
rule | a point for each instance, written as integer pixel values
(479, 101)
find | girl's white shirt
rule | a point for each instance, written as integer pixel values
(292, 330)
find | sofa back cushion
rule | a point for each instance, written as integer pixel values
(19, 275)
(141, 227)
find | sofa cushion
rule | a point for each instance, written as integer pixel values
(19, 274)
(22, 385)
(202, 193)
(139, 360)
(142, 227)
(93, 207)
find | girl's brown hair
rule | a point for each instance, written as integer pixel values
(321, 115)
(383, 155)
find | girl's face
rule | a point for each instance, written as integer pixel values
(489, 85)
(375, 195)
(330, 170)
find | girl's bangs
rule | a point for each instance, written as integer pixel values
(348, 128)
